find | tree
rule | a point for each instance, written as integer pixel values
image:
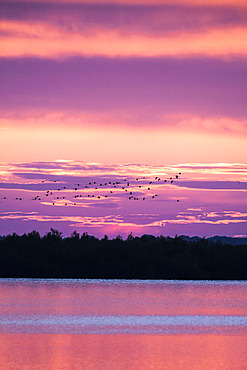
(54, 234)
(75, 235)
(130, 238)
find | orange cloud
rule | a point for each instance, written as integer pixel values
(118, 220)
(113, 119)
(117, 144)
(43, 40)
(241, 3)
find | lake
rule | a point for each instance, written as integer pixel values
(121, 324)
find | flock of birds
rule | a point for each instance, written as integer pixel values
(137, 189)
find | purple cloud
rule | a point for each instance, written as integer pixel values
(203, 207)
(145, 19)
(144, 87)
(64, 165)
(213, 184)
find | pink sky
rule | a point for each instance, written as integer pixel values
(133, 86)
(190, 199)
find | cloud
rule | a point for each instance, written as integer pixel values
(230, 171)
(200, 210)
(188, 123)
(213, 185)
(78, 185)
(240, 3)
(214, 218)
(46, 42)
(147, 19)
(74, 171)
(138, 92)
(59, 30)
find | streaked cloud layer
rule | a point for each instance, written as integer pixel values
(205, 88)
(119, 199)
(240, 3)
(122, 89)
(54, 30)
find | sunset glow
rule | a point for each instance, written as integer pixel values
(114, 91)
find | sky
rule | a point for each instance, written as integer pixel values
(111, 91)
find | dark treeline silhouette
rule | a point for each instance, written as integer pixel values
(145, 257)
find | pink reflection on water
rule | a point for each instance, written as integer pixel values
(113, 297)
(211, 347)
(64, 351)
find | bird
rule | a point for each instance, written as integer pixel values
(135, 188)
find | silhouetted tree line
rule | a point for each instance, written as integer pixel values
(145, 257)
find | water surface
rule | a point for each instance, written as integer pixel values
(104, 324)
